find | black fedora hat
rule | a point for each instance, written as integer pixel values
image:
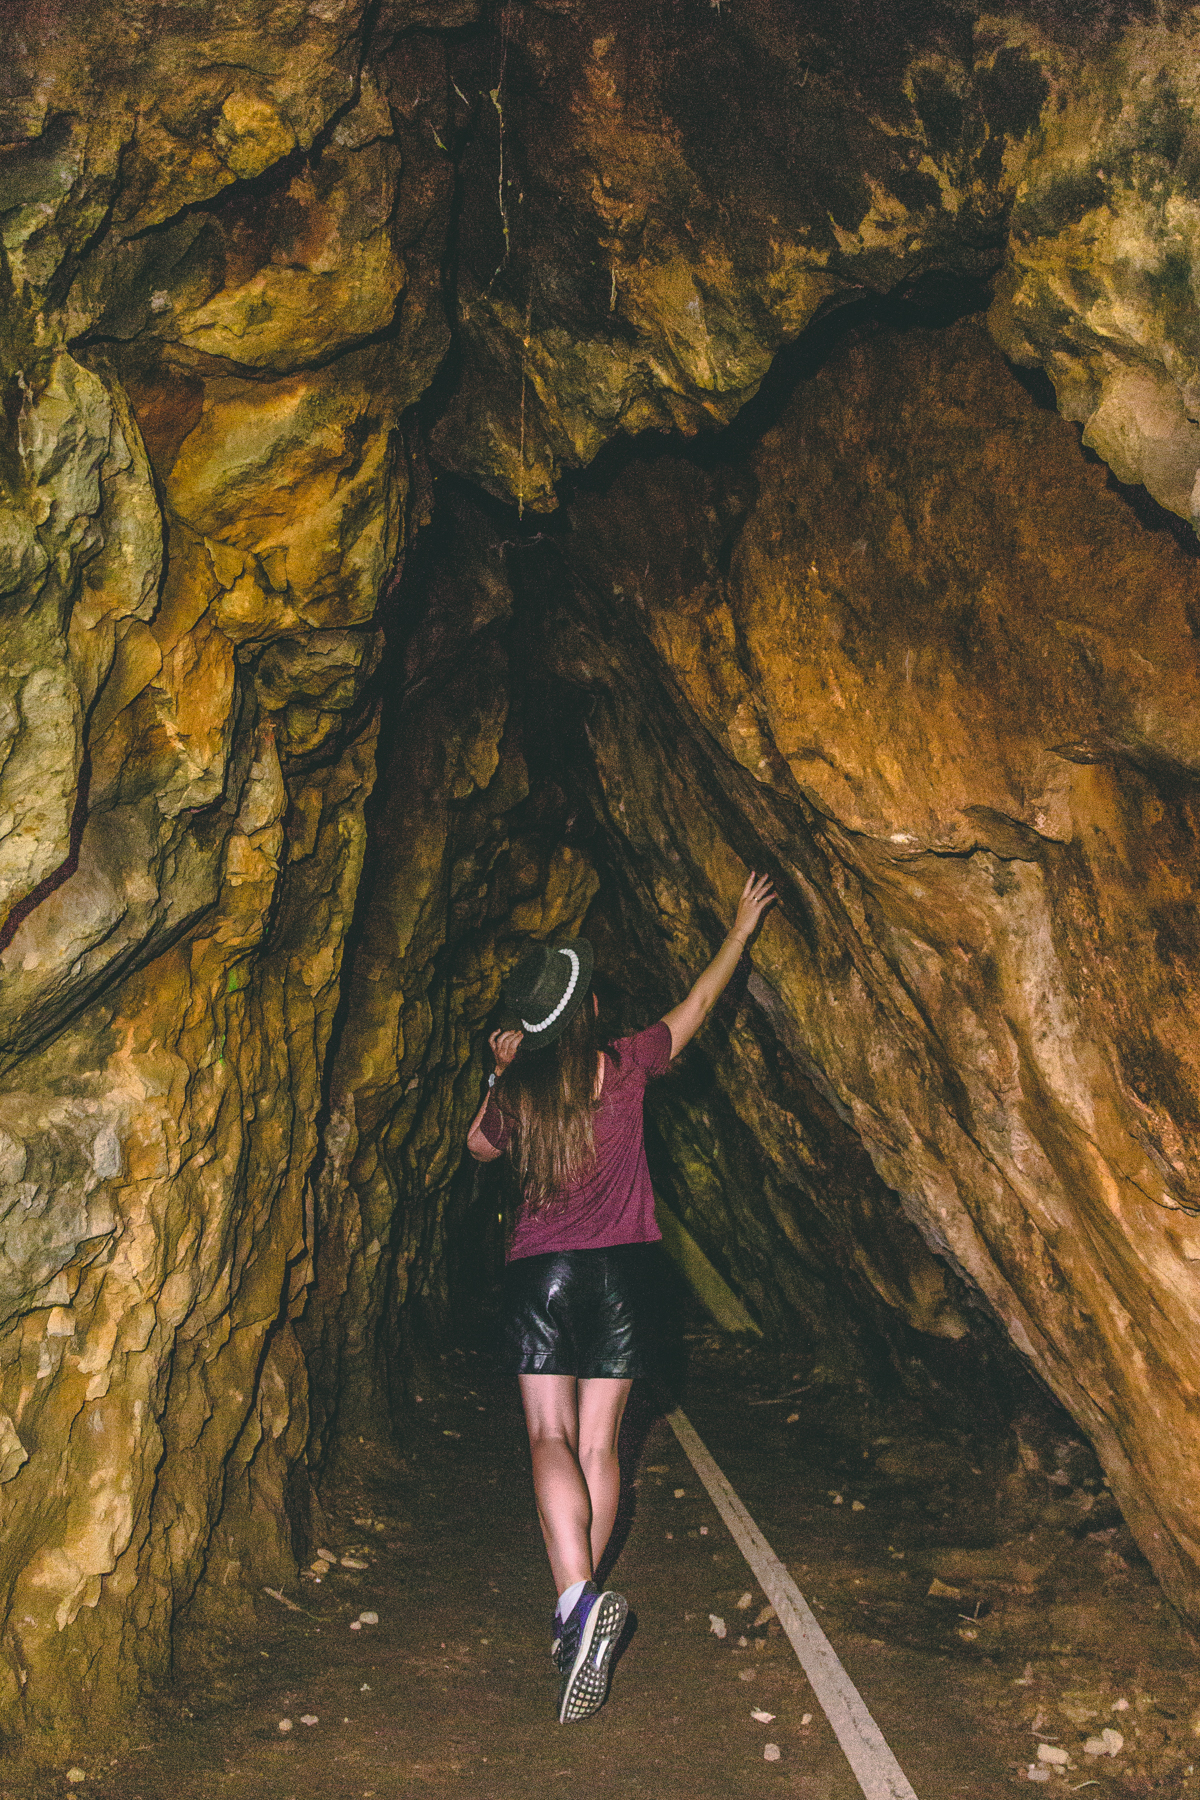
(547, 988)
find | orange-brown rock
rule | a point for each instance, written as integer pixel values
(156, 1247)
(202, 506)
(1098, 287)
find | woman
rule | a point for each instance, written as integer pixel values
(576, 1307)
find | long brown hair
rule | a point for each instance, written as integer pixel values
(550, 1095)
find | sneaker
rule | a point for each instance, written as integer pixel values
(556, 1627)
(556, 1635)
(589, 1638)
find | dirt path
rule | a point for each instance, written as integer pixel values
(1051, 1623)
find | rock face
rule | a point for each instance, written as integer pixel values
(1099, 288)
(274, 819)
(205, 493)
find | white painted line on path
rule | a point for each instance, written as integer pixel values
(878, 1773)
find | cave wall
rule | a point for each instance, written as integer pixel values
(265, 276)
(207, 485)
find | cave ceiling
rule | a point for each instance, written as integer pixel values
(476, 472)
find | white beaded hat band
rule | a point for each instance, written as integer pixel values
(547, 988)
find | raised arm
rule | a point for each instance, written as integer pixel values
(505, 1045)
(686, 1019)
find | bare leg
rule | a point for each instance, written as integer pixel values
(601, 1408)
(563, 1503)
(573, 1430)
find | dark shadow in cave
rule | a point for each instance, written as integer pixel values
(929, 303)
(1145, 508)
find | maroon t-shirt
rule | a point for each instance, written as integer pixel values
(611, 1202)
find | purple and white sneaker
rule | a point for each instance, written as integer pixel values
(556, 1628)
(585, 1652)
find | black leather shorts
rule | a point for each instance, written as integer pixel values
(580, 1312)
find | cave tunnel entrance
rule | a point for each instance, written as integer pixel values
(578, 696)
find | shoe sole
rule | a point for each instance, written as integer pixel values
(585, 1689)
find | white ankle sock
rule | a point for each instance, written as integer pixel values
(568, 1597)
